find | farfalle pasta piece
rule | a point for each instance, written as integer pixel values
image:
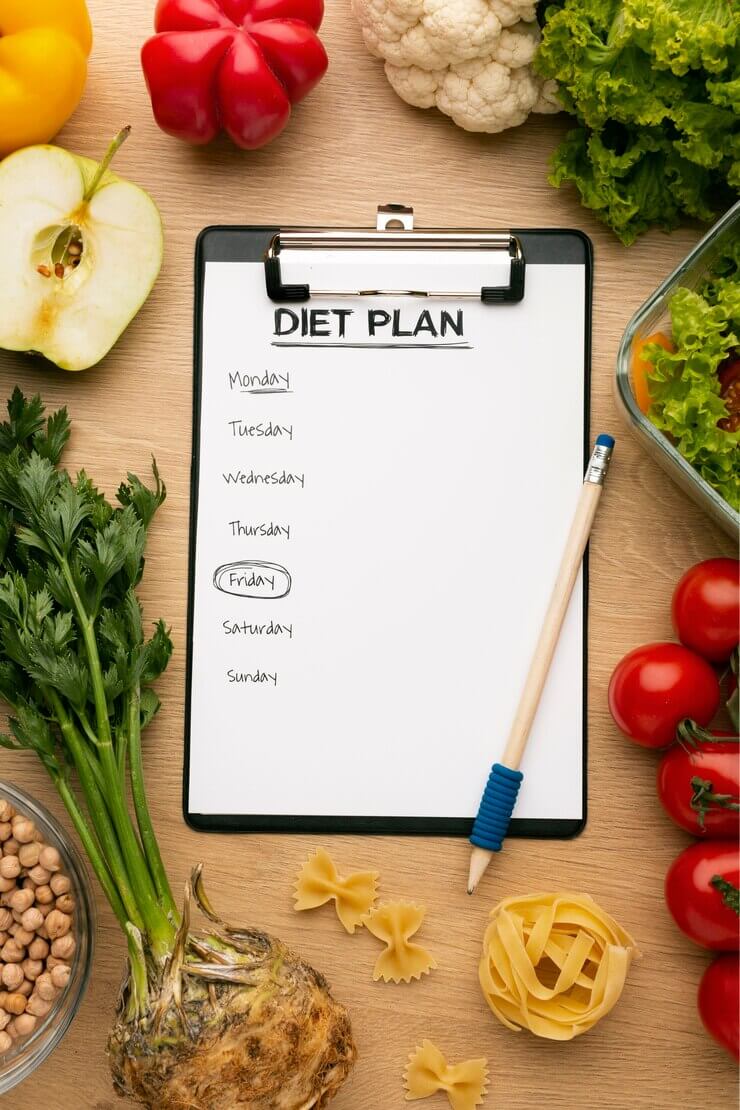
(428, 1072)
(401, 961)
(319, 881)
(553, 963)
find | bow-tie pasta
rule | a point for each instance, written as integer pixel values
(553, 963)
(401, 961)
(319, 881)
(428, 1072)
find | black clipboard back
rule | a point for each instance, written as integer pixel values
(250, 243)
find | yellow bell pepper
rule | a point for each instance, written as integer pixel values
(44, 45)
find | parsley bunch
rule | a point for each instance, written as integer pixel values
(75, 665)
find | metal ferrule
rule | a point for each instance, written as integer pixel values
(598, 464)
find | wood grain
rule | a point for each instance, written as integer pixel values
(352, 145)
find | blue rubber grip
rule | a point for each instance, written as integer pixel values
(496, 808)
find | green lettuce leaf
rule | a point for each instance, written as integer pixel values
(635, 179)
(655, 85)
(681, 35)
(684, 386)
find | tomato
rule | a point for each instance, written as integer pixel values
(728, 371)
(699, 784)
(729, 383)
(719, 1002)
(701, 889)
(656, 686)
(706, 608)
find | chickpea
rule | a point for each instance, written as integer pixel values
(38, 949)
(32, 919)
(39, 1007)
(66, 903)
(63, 947)
(29, 854)
(15, 1003)
(49, 858)
(12, 976)
(60, 975)
(24, 830)
(21, 901)
(12, 953)
(39, 875)
(60, 884)
(57, 924)
(45, 987)
(31, 968)
(37, 941)
(25, 1024)
(10, 867)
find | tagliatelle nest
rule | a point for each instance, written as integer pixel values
(553, 963)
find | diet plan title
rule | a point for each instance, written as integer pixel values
(346, 324)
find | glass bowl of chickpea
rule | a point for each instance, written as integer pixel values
(47, 927)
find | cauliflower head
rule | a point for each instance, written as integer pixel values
(469, 58)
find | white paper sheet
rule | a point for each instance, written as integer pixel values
(379, 527)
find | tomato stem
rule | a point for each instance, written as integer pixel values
(690, 735)
(730, 893)
(704, 798)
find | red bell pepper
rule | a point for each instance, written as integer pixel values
(232, 65)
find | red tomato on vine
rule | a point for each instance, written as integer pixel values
(699, 782)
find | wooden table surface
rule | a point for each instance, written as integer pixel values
(350, 146)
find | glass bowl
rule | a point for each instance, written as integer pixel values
(654, 316)
(26, 1055)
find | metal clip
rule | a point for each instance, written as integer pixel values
(387, 236)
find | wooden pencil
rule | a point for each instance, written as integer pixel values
(503, 784)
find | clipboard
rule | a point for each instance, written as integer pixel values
(303, 329)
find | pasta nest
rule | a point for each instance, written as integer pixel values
(553, 963)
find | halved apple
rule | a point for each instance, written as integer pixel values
(81, 251)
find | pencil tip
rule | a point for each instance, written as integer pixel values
(471, 890)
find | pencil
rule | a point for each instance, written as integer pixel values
(505, 779)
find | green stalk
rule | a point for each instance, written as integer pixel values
(97, 810)
(143, 817)
(122, 753)
(157, 928)
(97, 862)
(138, 1003)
